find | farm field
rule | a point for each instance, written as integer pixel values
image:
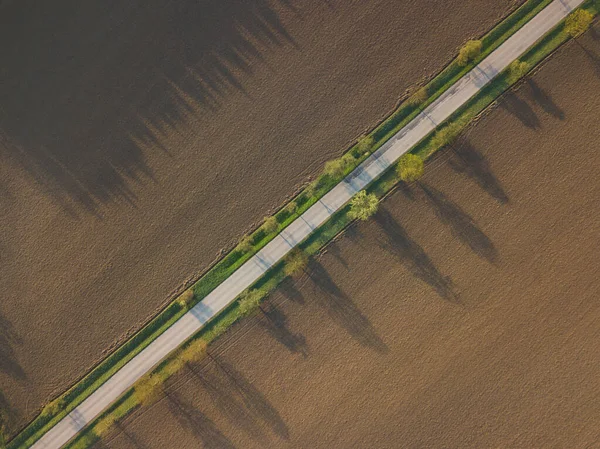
(464, 315)
(139, 140)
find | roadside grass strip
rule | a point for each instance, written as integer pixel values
(273, 273)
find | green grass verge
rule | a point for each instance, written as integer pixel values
(233, 260)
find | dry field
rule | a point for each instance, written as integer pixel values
(465, 315)
(138, 139)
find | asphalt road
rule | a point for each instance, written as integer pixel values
(303, 226)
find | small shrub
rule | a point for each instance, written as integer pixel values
(189, 353)
(418, 97)
(516, 70)
(334, 168)
(186, 299)
(469, 52)
(174, 365)
(220, 328)
(250, 300)
(198, 345)
(245, 244)
(363, 205)
(291, 208)
(295, 262)
(103, 426)
(410, 168)
(349, 159)
(446, 135)
(311, 189)
(85, 439)
(147, 389)
(270, 225)
(54, 407)
(363, 145)
(578, 22)
(194, 351)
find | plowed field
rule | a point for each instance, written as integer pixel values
(140, 138)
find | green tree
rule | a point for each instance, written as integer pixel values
(337, 167)
(410, 168)
(270, 225)
(578, 22)
(363, 205)
(516, 70)
(295, 262)
(250, 300)
(469, 52)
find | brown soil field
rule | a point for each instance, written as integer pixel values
(138, 139)
(465, 315)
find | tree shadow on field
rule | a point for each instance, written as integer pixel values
(255, 401)
(91, 86)
(334, 249)
(461, 224)
(290, 291)
(196, 422)
(412, 255)
(224, 398)
(100, 444)
(8, 358)
(8, 415)
(276, 325)
(342, 310)
(541, 97)
(131, 437)
(406, 190)
(519, 108)
(353, 233)
(473, 164)
(591, 55)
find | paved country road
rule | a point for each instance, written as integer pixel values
(297, 231)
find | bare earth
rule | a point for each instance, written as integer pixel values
(140, 138)
(465, 315)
